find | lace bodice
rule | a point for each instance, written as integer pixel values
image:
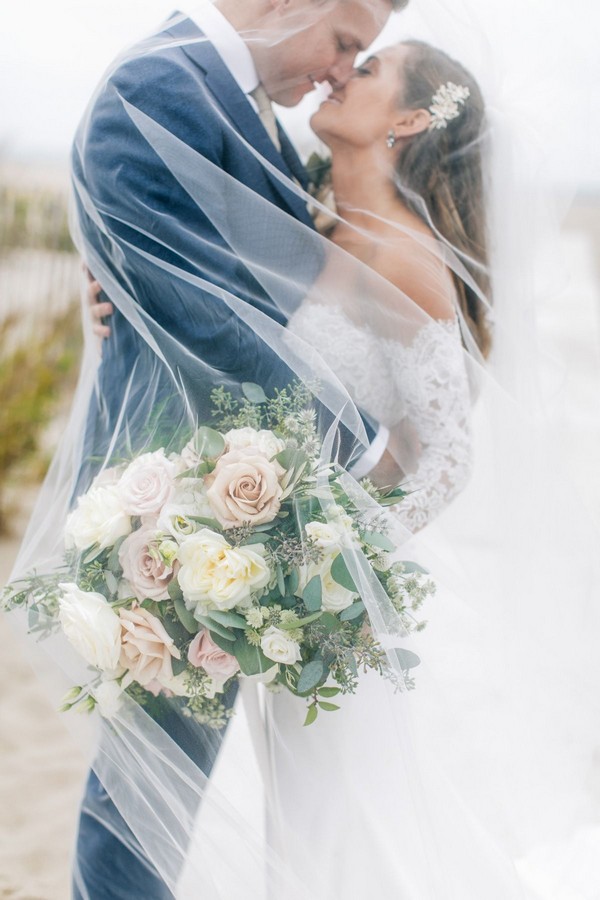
(421, 387)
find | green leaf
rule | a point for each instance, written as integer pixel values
(292, 459)
(299, 623)
(413, 567)
(406, 658)
(251, 659)
(340, 573)
(375, 539)
(209, 523)
(280, 580)
(255, 539)
(351, 612)
(112, 562)
(328, 691)
(208, 442)
(312, 673)
(233, 620)
(253, 392)
(292, 582)
(178, 665)
(199, 471)
(330, 707)
(215, 627)
(111, 582)
(330, 622)
(311, 714)
(313, 594)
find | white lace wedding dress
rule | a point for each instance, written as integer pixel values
(358, 818)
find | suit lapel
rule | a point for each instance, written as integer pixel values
(234, 103)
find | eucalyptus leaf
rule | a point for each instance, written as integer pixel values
(299, 623)
(209, 523)
(178, 665)
(253, 392)
(251, 659)
(231, 619)
(340, 574)
(413, 567)
(328, 691)
(313, 594)
(215, 627)
(255, 539)
(111, 582)
(406, 658)
(330, 707)
(311, 714)
(208, 442)
(312, 673)
(352, 612)
(112, 562)
(292, 459)
(375, 539)
(292, 582)
(185, 616)
(280, 580)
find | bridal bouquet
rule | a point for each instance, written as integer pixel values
(224, 559)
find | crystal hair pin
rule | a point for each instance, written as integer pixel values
(445, 104)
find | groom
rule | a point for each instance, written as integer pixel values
(204, 83)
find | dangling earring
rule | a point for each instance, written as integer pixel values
(391, 139)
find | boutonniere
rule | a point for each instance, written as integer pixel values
(318, 169)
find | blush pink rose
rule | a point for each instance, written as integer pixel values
(146, 648)
(244, 488)
(205, 654)
(147, 484)
(143, 567)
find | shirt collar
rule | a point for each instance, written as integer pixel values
(228, 43)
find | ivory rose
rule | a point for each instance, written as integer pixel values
(264, 441)
(99, 518)
(205, 654)
(215, 575)
(278, 646)
(146, 648)
(147, 484)
(143, 566)
(244, 488)
(91, 626)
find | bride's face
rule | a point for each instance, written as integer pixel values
(363, 111)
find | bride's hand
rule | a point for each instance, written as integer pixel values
(98, 309)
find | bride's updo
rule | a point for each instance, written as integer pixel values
(440, 172)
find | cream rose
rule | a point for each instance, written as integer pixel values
(91, 626)
(143, 566)
(147, 484)
(215, 575)
(188, 499)
(146, 648)
(205, 654)
(264, 441)
(335, 597)
(278, 646)
(244, 487)
(99, 518)
(323, 534)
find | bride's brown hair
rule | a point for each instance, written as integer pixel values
(443, 168)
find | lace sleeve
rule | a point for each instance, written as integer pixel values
(435, 388)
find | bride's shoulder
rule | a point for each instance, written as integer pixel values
(409, 257)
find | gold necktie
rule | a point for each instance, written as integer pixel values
(266, 114)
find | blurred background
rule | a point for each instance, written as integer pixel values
(536, 60)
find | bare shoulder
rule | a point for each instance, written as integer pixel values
(411, 263)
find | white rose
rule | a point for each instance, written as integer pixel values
(335, 598)
(147, 484)
(263, 441)
(99, 518)
(277, 645)
(108, 698)
(91, 626)
(215, 575)
(323, 534)
(108, 477)
(188, 499)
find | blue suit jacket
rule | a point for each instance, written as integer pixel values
(188, 90)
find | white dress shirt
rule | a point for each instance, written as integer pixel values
(232, 48)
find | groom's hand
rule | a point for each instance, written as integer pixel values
(98, 309)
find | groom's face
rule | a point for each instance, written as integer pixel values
(314, 41)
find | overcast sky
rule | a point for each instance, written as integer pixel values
(537, 60)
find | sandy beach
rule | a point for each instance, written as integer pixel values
(42, 768)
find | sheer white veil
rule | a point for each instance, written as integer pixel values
(484, 771)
